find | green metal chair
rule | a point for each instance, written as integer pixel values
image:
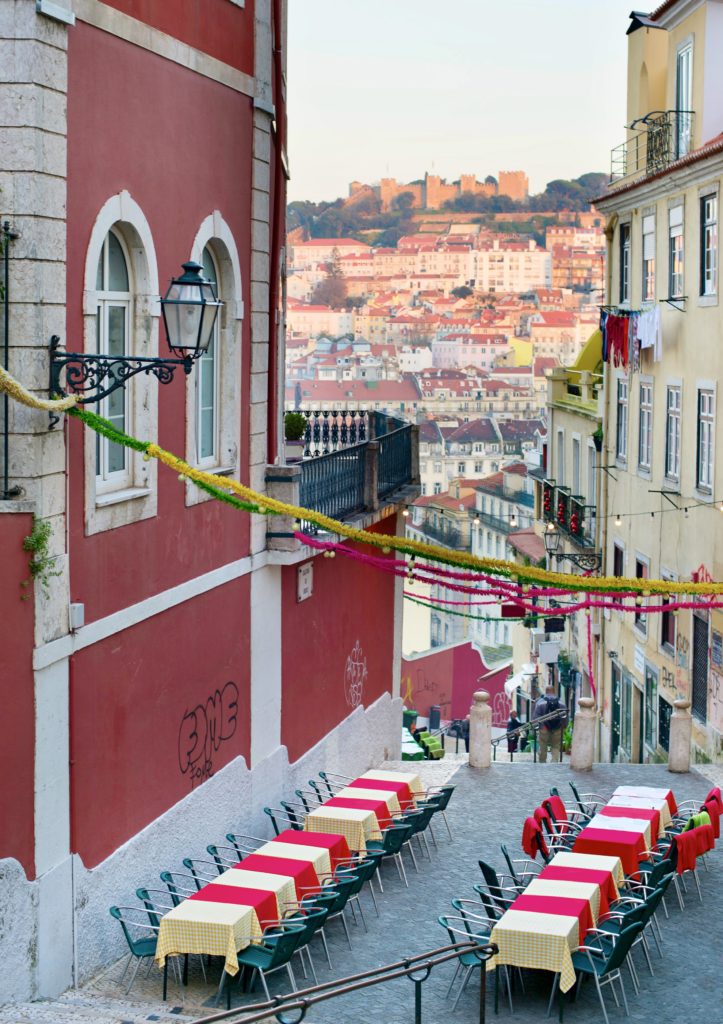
(393, 839)
(274, 951)
(159, 902)
(225, 857)
(311, 919)
(321, 901)
(138, 948)
(180, 885)
(281, 820)
(440, 799)
(203, 870)
(363, 871)
(342, 888)
(603, 963)
(459, 929)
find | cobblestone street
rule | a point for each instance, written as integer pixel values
(487, 809)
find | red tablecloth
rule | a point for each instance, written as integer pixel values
(671, 802)
(300, 870)
(647, 813)
(567, 905)
(628, 846)
(336, 845)
(404, 793)
(263, 901)
(604, 879)
(378, 806)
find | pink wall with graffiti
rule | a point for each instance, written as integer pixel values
(155, 711)
(448, 677)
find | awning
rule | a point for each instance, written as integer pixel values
(521, 680)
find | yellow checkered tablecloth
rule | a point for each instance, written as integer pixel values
(411, 778)
(598, 862)
(357, 793)
(640, 825)
(649, 803)
(355, 824)
(315, 855)
(212, 929)
(282, 886)
(574, 890)
(539, 941)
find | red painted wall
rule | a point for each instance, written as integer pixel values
(448, 677)
(216, 27)
(182, 146)
(17, 688)
(351, 608)
(153, 716)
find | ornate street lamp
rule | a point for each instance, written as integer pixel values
(586, 562)
(552, 539)
(189, 308)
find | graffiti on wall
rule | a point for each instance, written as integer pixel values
(355, 675)
(203, 730)
(422, 691)
(500, 710)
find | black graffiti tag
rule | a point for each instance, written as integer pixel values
(204, 729)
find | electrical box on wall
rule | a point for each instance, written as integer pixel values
(304, 581)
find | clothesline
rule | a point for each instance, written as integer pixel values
(627, 332)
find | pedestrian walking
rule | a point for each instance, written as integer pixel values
(512, 724)
(550, 732)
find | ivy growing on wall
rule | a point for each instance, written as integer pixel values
(41, 563)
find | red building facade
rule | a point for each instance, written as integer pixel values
(159, 682)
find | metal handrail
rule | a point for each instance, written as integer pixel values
(298, 1003)
(534, 726)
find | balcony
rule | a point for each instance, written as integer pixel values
(447, 535)
(654, 142)
(569, 513)
(369, 460)
(574, 390)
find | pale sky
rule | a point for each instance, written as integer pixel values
(395, 88)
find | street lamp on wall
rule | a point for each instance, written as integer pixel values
(189, 307)
(587, 561)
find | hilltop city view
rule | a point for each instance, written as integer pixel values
(361, 511)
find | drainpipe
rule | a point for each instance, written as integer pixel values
(601, 666)
(8, 236)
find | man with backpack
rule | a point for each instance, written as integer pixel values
(550, 732)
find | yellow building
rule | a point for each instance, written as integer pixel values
(662, 424)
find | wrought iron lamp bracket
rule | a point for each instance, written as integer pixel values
(590, 562)
(94, 377)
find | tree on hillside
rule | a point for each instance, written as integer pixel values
(463, 292)
(332, 290)
(404, 201)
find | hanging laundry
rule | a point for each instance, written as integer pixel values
(650, 332)
(603, 330)
(617, 334)
(633, 342)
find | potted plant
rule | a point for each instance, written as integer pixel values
(294, 430)
(597, 437)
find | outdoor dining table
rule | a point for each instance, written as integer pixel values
(356, 825)
(378, 807)
(574, 890)
(301, 871)
(280, 884)
(317, 856)
(602, 878)
(210, 928)
(628, 846)
(652, 792)
(542, 941)
(336, 845)
(650, 803)
(623, 824)
(398, 788)
(591, 861)
(389, 796)
(412, 779)
(644, 813)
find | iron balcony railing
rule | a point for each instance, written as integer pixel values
(356, 478)
(519, 497)
(569, 513)
(450, 536)
(653, 143)
(549, 507)
(494, 522)
(329, 430)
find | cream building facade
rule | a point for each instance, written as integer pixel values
(662, 422)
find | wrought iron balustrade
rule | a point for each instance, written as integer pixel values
(494, 522)
(654, 142)
(450, 536)
(549, 502)
(329, 430)
(334, 483)
(395, 458)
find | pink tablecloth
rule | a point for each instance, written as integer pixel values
(404, 793)
(628, 846)
(336, 845)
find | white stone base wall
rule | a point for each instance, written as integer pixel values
(37, 932)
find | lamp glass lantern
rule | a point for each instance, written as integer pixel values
(190, 308)
(552, 539)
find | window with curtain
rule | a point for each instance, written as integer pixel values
(645, 426)
(706, 428)
(621, 441)
(675, 252)
(709, 245)
(113, 318)
(625, 263)
(649, 257)
(672, 433)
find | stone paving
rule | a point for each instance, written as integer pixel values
(488, 808)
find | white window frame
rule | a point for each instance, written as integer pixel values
(648, 256)
(645, 425)
(107, 480)
(673, 429)
(640, 619)
(684, 95)
(136, 497)
(622, 416)
(215, 235)
(676, 250)
(705, 438)
(560, 457)
(709, 244)
(625, 252)
(576, 481)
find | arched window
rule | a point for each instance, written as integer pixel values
(113, 319)
(207, 380)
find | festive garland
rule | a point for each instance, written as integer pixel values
(527, 574)
(237, 495)
(15, 390)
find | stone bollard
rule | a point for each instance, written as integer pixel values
(480, 731)
(681, 725)
(583, 735)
